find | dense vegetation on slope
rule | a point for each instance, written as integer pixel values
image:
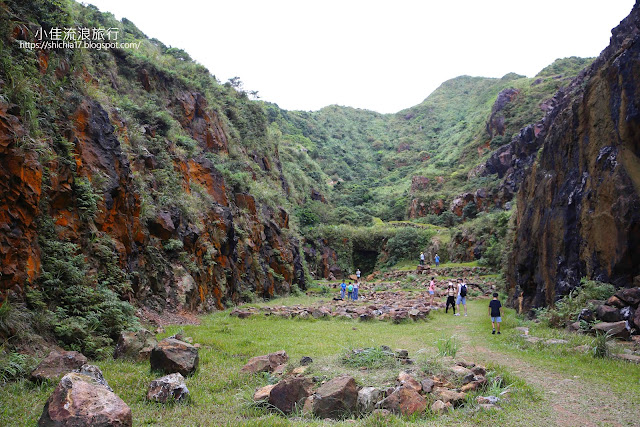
(134, 175)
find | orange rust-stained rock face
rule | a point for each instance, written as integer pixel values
(20, 192)
(201, 122)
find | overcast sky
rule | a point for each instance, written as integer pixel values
(379, 55)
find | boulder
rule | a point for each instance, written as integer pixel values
(448, 395)
(614, 301)
(616, 329)
(405, 401)
(172, 355)
(427, 385)
(170, 387)
(631, 296)
(290, 393)
(607, 313)
(95, 373)
(263, 393)
(586, 315)
(79, 400)
(336, 398)
(266, 363)
(439, 407)
(368, 397)
(406, 380)
(306, 360)
(628, 357)
(135, 345)
(57, 364)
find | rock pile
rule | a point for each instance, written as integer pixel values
(395, 306)
(619, 315)
(341, 397)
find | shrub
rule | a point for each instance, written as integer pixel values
(600, 345)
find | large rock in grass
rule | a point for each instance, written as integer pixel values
(336, 398)
(135, 345)
(608, 313)
(290, 393)
(172, 355)
(170, 387)
(405, 401)
(266, 363)
(57, 364)
(81, 400)
(630, 295)
(616, 329)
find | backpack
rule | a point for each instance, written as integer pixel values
(463, 291)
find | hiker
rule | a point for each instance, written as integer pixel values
(356, 285)
(350, 291)
(432, 290)
(437, 260)
(451, 294)
(462, 296)
(494, 313)
(358, 275)
(421, 258)
(343, 288)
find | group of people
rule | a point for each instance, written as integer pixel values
(436, 259)
(457, 294)
(351, 289)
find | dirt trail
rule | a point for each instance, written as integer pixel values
(571, 400)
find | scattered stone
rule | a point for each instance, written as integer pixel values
(465, 364)
(368, 397)
(477, 383)
(57, 364)
(616, 329)
(488, 399)
(335, 398)
(460, 371)
(406, 380)
(614, 301)
(607, 313)
(448, 395)
(79, 400)
(306, 360)
(263, 392)
(300, 370)
(290, 393)
(172, 355)
(532, 340)
(266, 363)
(135, 345)
(402, 354)
(468, 378)
(170, 387)
(439, 407)
(630, 295)
(586, 315)
(488, 406)
(582, 348)
(427, 385)
(628, 357)
(523, 329)
(479, 370)
(381, 412)
(280, 370)
(405, 401)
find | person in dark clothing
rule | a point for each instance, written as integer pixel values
(494, 313)
(451, 298)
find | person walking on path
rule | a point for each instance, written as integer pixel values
(343, 288)
(494, 313)
(350, 291)
(462, 296)
(421, 258)
(356, 286)
(451, 294)
(437, 260)
(432, 290)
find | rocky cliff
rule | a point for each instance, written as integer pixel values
(579, 201)
(165, 182)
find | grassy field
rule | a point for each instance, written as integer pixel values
(222, 396)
